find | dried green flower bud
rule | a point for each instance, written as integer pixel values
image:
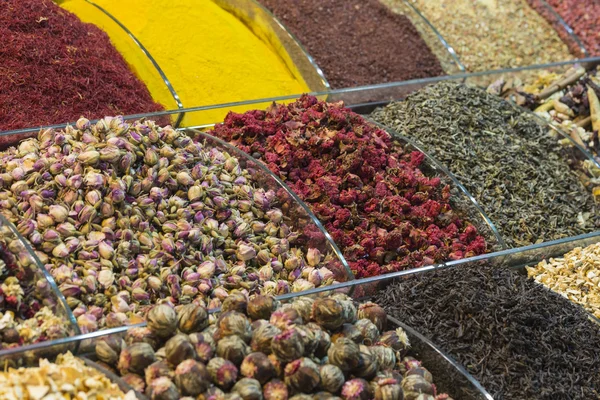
(332, 378)
(368, 365)
(179, 348)
(356, 389)
(348, 331)
(285, 317)
(223, 373)
(89, 157)
(385, 388)
(368, 331)
(163, 389)
(235, 302)
(345, 354)
(261, 307)
(397, 340)
(374, 313)
(108, 349)
(204, 344)
(162, 320)
(275, 390)
(421, 372)
(328, 313)
(257, 366)
(192, 318)
(350, 313)
(135, 381)
(235, 323)
(302, 375)
(288, 345)
(248, 389)
(142, 335)
(213, 393)
(135, 357)
(413, 385)
(309, 339)
(385, 356)
(303, 305)
(191, 378)
(156, 370)
(233, 348)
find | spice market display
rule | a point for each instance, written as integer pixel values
(539, 198)
(380, 208)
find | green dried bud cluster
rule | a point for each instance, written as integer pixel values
(127, 215)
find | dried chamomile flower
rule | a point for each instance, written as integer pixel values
(135, 357)
(191, 377)
(162, 320)
(233, 348)
(332, 378)
(288, 345)
(262, 336)
(368, 331)
(374, 313)
(248, 389)
(257, 366)
(356, 389)
(328, 313)
(345, 354)
(261, 307)
(179, 348)
(192, 318)
(302, 375)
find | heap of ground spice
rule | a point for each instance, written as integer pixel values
(56, 68)
(368, 190)
(583, 16)
(357, 42)
(519, 339)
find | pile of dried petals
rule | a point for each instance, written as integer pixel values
(27, 303)
(67, 378)
(327, 348)
(127, 216)
(379, 207)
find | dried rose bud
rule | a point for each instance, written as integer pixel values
(262, 336)
(248, 389)
(156, 370)
(135, 357)
(313, 256)
(235, 302)
(261, 307)
(233, 348)
(302, 375)
(275, 390)
(309, 339)
(384, 388)
(385, 356)
(192, 318)
(179, 348)
(368, 330)
(213, 393)
(397, 340)
(374, 313)
(328, 313)
(235, 323)
(135, 381)
(257, 366)
(356, 389)
(368, 365)
(191, 378)
(348, 331)
(162, 320)
(413, 385)
(108, 349)
(345, 354)
(288, 345)
(285, 317)
(142, 335)
(421, 372)
(163, 389)
(332, 378)
(304, 307)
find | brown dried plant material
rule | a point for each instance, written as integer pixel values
(576, 276)
(68, 378)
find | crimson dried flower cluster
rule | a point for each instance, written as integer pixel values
(367, 189)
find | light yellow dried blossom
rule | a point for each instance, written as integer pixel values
(44, 323)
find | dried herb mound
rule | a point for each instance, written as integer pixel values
(56, 68)
(368, 190)
(519, 339)
(508, 161)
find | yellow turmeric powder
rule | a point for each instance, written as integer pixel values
(208, 55)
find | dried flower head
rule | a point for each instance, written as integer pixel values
(374, 313)
(288, 345)
(257, 366)
(285, 317)
(179, 348)
(213, 393)
(135, 357)
(156, 370)
(248, 389)
(223, 373)
(328, 313)
(397, 340)
(162, 320)
(192, 318)
(262, 336)
(345, 354)
(368, 331)
(235, 302)
(386, 356)
(332, 378)
(108, 349)
(261, 307)
(368, 364)
(348, 331)
(191, 377)
(385, 388)
(415, 385)
(302, 375)
(163, 389)
(233, 348)
(304, 307)
(356, 389)
(135, 381)
(143, 334)
(275, 390)
(235, 323)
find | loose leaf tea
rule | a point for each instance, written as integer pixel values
(503, 156)
(368, 190)
(519, 339)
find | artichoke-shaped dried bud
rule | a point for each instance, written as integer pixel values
(257, 366)
(235, 323)
(385, 388)
(397, 340)
(415, 385)
(108, 349)
(368, 330)
(275, 390)
(345, 354)
(248, 389)
(348, 331)
(223, 373)
(162, 320)
(385, 356)
(285, 317)
(261, 307)
(302, 375)
(328, 313)
(419, 370)
(179, 348)
(350, 313)
(163, 389)
(356, 389)
(213, 393)
(367, 367)
(309, 339)
(156, 370)
(135, 357)
(192, 318)
(332, 378)
(323, 340)
(143, 335)
(304, 307)
(135, 381)
(374, 313)
(288, 345)
(191, 378)
(235, 302)
(233, 348)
